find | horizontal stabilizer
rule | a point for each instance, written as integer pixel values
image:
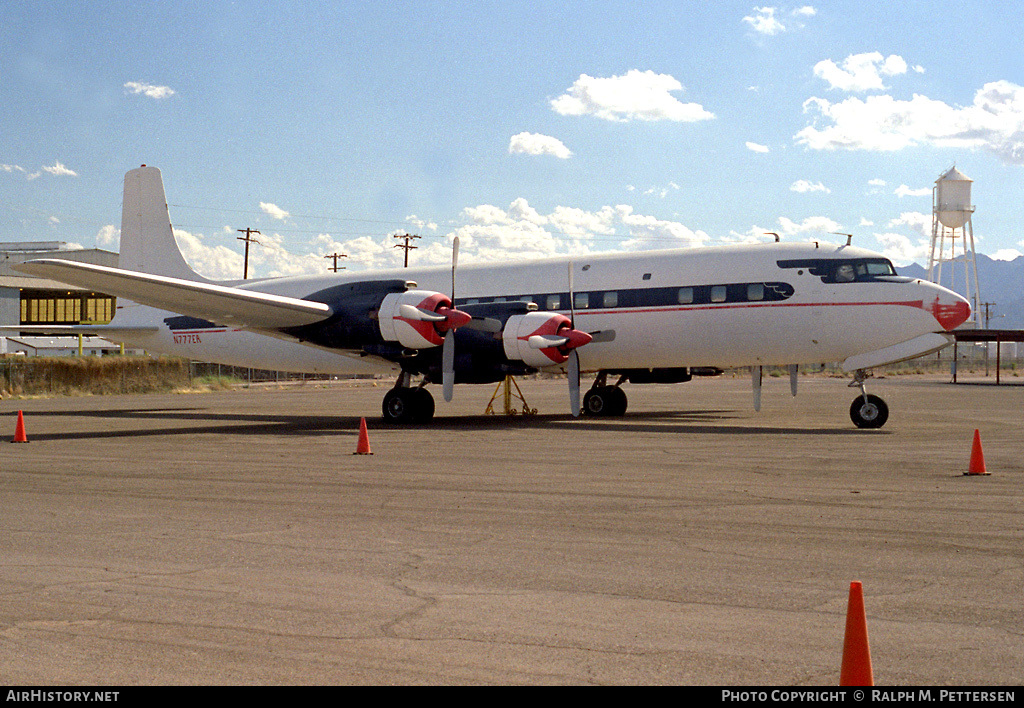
(105, 331)
(911, 349)
(245, 309)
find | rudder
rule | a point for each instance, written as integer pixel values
(147, 239)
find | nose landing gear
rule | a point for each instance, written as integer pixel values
(867, 410)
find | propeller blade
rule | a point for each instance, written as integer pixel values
(455, 319)
(574, 383)
(484, 324)
(455, 263)
(755, 378)
(546, 341)
(572, 299)
(448, 365)
(605, 335)
(794, 373)
(414, 313)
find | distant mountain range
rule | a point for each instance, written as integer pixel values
(1000, 282)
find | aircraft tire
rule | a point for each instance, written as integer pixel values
(605, 401)
(403, 406)
(424, 406)
(870, 414)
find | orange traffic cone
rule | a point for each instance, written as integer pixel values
(856, 669)
(977, 465)
(19, 429)
(363, 446)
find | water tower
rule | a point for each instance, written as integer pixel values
(951, 226)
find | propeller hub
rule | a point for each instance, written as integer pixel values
(576, 339)
(453, 319)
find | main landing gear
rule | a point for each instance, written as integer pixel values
(605, 400)
(405, 403)
(867, 410)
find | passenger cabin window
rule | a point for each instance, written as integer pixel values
(718, 293)
(685, 296)
(581, 301)
(610, 299)
(553, 302)
(755, 291)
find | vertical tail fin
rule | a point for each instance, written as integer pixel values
(147, 239)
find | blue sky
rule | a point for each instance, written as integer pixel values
(527, 129)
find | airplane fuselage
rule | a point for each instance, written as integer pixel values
(743, 305)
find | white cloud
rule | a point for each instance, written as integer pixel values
(139, 87)
(917, 221)
(901, 249)
(12, 168)
(658, 191)
(756, 147)
(994, 122)
(650, 232)
(810, 225)
(274, 211)
(487, 234)
(419, 223)
(876, 182)
(638, 95)
(536, 144)
(59, 170)
(216, 262)
(813, 226)
(109, 237)
(864, 221)
(1007, 254)
(763, 21)
(803, 186)
(860, 72)
(905, 191)
(494, 234)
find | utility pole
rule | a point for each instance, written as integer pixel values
(988, 312)
(248, 239)
(407, 246)
(336, 256)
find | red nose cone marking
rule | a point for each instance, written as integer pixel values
(576, 339)
(453, 319)
(951, 316)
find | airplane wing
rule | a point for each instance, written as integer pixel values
(216, 303)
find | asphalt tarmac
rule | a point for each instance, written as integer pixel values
(234, 538)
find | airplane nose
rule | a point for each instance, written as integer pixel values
(949, 309)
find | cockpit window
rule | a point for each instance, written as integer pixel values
(853, 270)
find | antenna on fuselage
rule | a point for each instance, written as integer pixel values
(849, 237)
(772, 233)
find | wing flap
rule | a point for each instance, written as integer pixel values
(245, 309)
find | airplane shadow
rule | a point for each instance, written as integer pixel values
(194, 421)
(700, 422)
(219, 423)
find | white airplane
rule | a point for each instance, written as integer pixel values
(651, 317)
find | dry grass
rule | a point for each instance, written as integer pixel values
(92, 376)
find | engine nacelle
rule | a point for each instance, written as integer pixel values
(518, 330)
(412, 333)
